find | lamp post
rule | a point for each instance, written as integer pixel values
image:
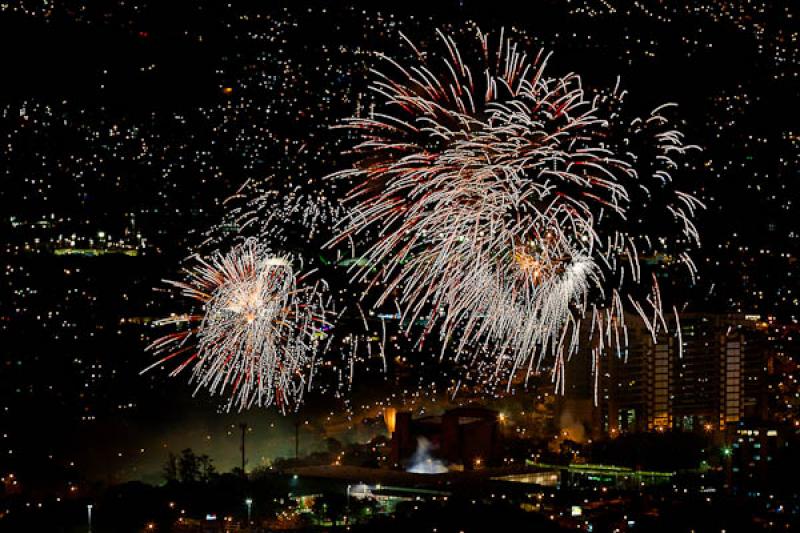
(243, 426)
(89, 513)
(727, 453)
(249, 502)
(348, 504)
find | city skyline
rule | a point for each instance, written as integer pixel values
(137, 135)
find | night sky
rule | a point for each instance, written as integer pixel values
(126, 124)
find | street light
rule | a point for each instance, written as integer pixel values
(249, 502)
(348, 503)
(89, 512)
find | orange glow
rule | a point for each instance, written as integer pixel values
(526, 261)
(390, 418)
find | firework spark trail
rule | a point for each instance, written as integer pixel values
(260, 330)
(508, 201)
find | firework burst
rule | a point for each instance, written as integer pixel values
(259, 331)
(508, 203)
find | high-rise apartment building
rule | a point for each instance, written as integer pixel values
(709, 377)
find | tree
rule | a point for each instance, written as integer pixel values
(331, 506)
(362, 509)
(207, 470)
(333, 445)
(188, 466)
(171, 468)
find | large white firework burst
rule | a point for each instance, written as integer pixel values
(511, 207)
(258, 332)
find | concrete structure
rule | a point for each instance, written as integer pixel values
(714, 380)
(466, 436)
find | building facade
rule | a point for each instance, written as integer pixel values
(709, 377)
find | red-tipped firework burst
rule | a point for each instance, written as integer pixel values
(259, 330)
(502, 199)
